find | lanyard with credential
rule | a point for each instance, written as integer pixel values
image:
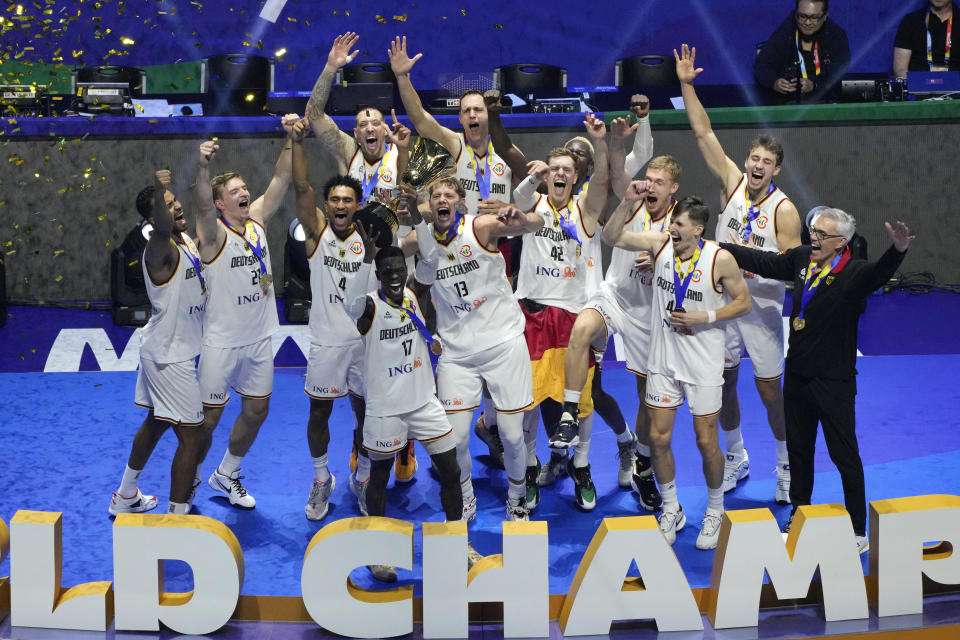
(946, 44)
(370, 180)
(483, 175)
(258, 249)
(568, 225)
(193, 255)
(752, 212)
(681, 280)
(816, 57)
(810, 285)
(406, 310)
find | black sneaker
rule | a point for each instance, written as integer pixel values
(556, 468)
(583, 489)
(786, 528)
(644, 483)
(568, 432)
(533, 489)
(491, 437)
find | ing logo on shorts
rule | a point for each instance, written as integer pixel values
(356, 247)
(696, 275)
(387, 176)
(498, 168)
(465, 251)
(762, 222)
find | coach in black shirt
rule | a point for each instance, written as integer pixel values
(819, 383)
(910, 51)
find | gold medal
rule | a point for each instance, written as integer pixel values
(436, 348)
(799, 323)
(265, 281)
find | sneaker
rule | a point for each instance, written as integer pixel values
(710, 530)
(232, 488)
(319, 501)
(862, 544)
(472, 556)
(517, 509)
(627, 455)
(556, 468)
(568, 432)
(383, 572)
(583, 489)
(359, 489)
(405, 464)
(491, 437)
(644, 483)
(735, 469)
(353, 458)
(193, 492)
(782, 494)
(671, 522)
(470, 510)
(786, 528)
(533, 488)
(136, 504)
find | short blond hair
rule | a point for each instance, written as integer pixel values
(667, 164)
(220, 180)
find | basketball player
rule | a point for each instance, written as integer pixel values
(481, 327)
(241, 307)
(483, 174)
(622, 305)
(167, 381)
(366, 155)
(400, 391)
(691, 279)
(757, 212)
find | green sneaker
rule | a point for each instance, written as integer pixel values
(533, 489)
(583, 489)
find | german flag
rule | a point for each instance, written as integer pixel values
(548, 333)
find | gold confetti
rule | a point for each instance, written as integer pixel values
(245, 43)
(107, 244)
(102, 217)
(380, 19)
(58, 278)
(463, 12)
(127, 41)
(498, 26)
(402, 18)
(58, 252)
(280, 53)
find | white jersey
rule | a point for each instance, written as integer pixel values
(553, 270)
(763, 233)
(491, 166)
(397, 368)
(332, 265)
(383, 172)
(631, 288)
(475, 306)
(239, 312)
(592, 250)
(175, 328)
(687, 354)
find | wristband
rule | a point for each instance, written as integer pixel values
(711, 316)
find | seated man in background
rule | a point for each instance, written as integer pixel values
(923, 39)
(806, 57)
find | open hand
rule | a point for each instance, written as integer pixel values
(686, 71)
(400, 62)
(900, 235)
(340, 51)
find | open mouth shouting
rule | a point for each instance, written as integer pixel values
(393, 285)
(558, 186)
(444, 216)
(244, 203)
(371, 145)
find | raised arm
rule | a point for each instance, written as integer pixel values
(525, 194)
(209, 233)
(160, 255)
(340, 144)
(878, 273)
(425, 124)
(720, 165)
(616, 157)
(768, 264)
(358, 305)
(787, 226)
(306, 201)
(596, 198)
(643, 140)
(735, 288)
(512, 155)
(616, 236)
(263, 208)
(509, 221)
(399, 136)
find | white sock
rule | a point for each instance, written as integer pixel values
(197, 475)
(668, 492)
(466, 488)
(642, 449)
(531, 422)
(734, 440)
(714, 500)
(582, 450)
(363, 469)
(230, 463)
(626, 436)
(514, 490)
(782, 458)
(128, 485)
(320, 471)
(571, 396)
(178, 507)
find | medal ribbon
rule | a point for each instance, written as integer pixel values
(582, 188)
(446, 236)
(816, 56)
(370, 180)
(406, 311)
(946, 44)
(569, 226)
(810, 286)
(681, 280)
(193, 255)
(648, 222)
(483, 175)
(751, 212)
(258, 249)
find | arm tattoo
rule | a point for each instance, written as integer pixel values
(318, 99)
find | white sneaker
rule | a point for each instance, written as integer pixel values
(735, 469)
(136, 504)
(473, 557)
(470, 510)
(517, 509)
(319, 501)
(627, 457)
(359, 489)
(383, 572)
(232, 488)
(671, 522)
(710, 531)
(782, 494)
(863, 544)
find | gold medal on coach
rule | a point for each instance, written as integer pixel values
(799, 323)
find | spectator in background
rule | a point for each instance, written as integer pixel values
(806, 57)
(923, 39)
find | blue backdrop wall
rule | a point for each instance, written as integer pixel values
(454, 36)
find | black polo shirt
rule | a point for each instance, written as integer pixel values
(912, 35)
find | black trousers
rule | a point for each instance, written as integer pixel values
(806, 402)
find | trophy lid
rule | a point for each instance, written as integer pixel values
(378, 219)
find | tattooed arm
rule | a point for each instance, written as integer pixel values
(340, 144)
